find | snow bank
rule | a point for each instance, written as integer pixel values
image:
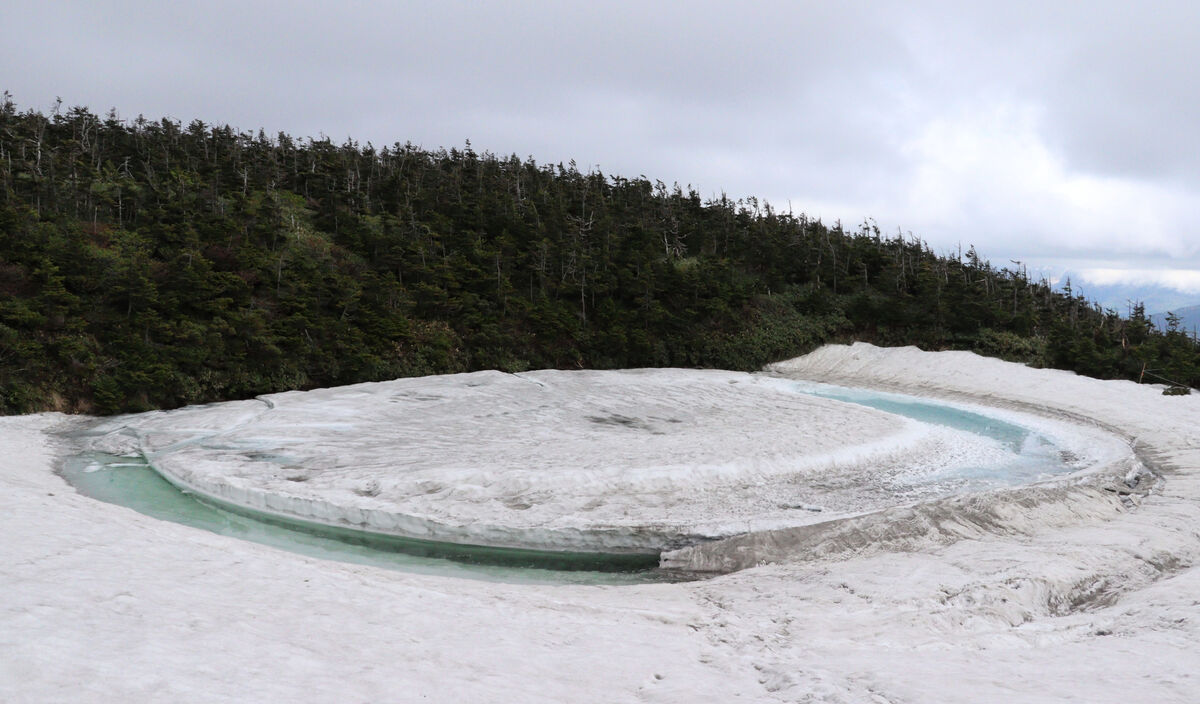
(102, 604)
(1090, 601)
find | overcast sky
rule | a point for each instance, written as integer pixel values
(1065, 135)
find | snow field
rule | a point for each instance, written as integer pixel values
(1079, 595)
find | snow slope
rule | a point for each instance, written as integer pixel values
(1072, 593)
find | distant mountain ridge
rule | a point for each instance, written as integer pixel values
(1121, 297)
(1189, 319)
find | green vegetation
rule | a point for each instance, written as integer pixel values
(151, 264)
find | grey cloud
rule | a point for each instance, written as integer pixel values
(816, 102)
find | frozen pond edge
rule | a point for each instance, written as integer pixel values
(695, 554)
(1105, 489)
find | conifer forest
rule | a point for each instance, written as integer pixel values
(152, 264)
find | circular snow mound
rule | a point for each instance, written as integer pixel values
(612, 461)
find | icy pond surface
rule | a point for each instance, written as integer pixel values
(130, 482)
(873, 450)
(1031, 455)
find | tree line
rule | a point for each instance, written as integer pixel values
(150, 264)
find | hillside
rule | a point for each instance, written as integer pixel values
(149, 264)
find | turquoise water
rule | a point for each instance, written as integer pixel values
(1011, 436)
(1033, 456)
(130, 482)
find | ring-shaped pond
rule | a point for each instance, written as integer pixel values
(558, 476)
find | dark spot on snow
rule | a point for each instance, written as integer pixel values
(616, 419)
(411, 396)
(666, 420)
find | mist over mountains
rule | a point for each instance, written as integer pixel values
(1156, 299)
(1189, 319)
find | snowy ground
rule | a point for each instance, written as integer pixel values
(640, 460)
(1075, 591)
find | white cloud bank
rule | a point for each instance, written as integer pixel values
(1037, 131)
(991, 170)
